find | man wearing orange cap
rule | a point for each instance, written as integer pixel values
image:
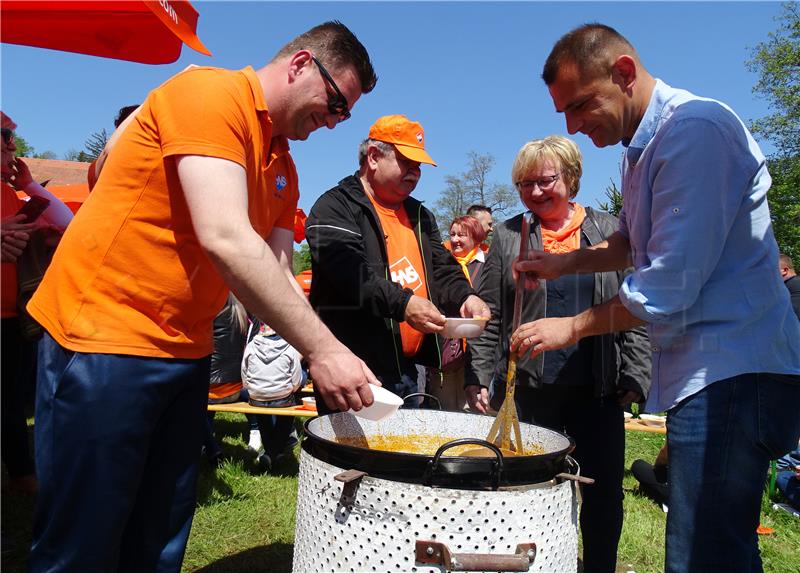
(381, 279)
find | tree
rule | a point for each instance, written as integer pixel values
(24, 149)
(301, 261)
(473, 187)
(96, 143)
(777, 63)
(614, 203)
(75, 155)
(45, 155)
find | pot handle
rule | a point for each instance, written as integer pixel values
(415, 394)
(436, 553)
(497, 465)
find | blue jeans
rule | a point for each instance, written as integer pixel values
(117, 449)
(720, 443)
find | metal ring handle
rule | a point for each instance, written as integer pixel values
(497, 468)
(415, 394)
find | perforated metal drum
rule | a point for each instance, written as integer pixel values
(352, 522)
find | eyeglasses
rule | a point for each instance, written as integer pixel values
(544, 184)
(8, 135)
(337, 103)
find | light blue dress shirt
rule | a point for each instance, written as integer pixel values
(695, 211)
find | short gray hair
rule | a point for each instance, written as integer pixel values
(362, 149)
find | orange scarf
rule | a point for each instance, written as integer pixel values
(566, 239)
(467, 259)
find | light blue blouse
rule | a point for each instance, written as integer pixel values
(695, 212)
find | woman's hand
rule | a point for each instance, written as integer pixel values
(477, 398)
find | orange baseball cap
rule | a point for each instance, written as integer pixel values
(406, 135)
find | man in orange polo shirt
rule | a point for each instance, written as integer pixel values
(198, 195)
(381, 277)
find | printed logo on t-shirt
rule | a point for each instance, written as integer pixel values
(280, 184)
(404, 274)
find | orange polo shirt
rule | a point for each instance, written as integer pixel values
(129, 276)
(405, 265)
(10, 203)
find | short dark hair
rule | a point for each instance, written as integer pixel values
(591, 47)
(337, 47)
(786, 261)
(123, 114)
(476, 208)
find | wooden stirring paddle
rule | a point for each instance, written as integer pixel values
(507, 421)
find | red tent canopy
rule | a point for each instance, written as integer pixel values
(146, 31)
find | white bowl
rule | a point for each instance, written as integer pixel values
(310, 403)
(386, 403)
(627, 415)
(464, 327)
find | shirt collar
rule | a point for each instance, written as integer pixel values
(649, 123)
(279, 144)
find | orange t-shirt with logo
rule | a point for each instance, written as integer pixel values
(10, 203)
(129, 276)
(405, 265)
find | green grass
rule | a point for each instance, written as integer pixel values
(245, 520)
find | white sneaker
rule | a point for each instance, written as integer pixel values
(255, 441)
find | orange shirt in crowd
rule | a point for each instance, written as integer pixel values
(129, 276)
(9, 205)
(405, 265)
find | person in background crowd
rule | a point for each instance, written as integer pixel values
(484, 215)
(225, 387)
(790, 279)
(124, 117)
(380, 274)
(198, 196)
(272, 374)
(447, 384)
(725, 346)
(582, 389)
(20, 237)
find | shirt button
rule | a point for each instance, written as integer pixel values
(676, 210)
(656, 349)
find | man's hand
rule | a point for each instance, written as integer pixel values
(22, 175)
(342, 379)
(625, 397)
(539, 265)
(544, 334)
(474, 307)
(477, 398)
(422, 315)
(15, 236)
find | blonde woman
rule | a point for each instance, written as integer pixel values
(580, 390)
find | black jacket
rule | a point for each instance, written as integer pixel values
(352, 290)
(621, 360)
(793, 284)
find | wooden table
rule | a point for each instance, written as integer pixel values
(245, 408)
(636, 425)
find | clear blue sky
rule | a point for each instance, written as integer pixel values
(469, 72)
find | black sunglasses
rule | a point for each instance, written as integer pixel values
(8, 135)
(337, 103)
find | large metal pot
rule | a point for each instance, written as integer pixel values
(436, 470)
(365, 510)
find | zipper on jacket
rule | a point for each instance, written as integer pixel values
(427, 282)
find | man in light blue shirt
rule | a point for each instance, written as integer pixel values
(696, 226)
